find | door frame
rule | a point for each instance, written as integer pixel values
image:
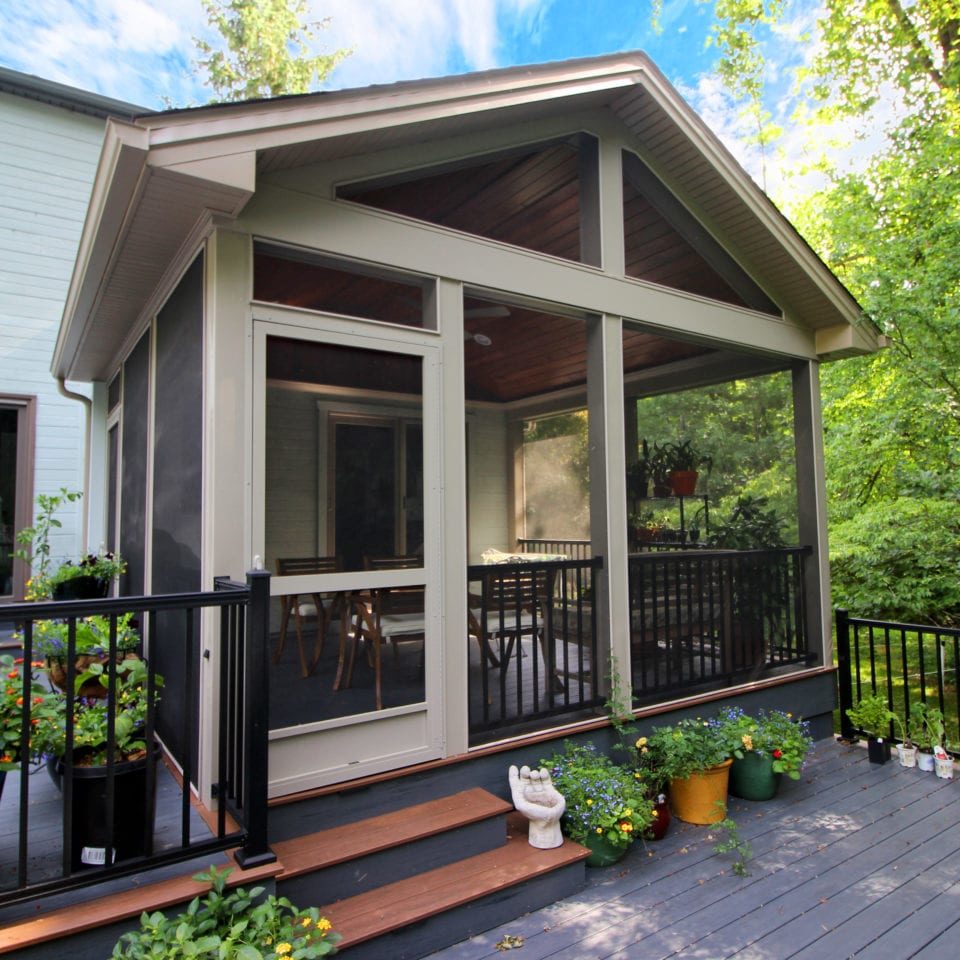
(344, 748)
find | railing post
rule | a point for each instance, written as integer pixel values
(256, 722)
(844, 674)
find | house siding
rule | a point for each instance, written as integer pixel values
(49, 160)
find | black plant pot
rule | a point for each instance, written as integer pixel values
(878, 750)
(81, 588)
(133, 813)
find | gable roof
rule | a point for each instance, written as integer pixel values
(161, 173)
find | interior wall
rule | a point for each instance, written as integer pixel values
(488, 468)
(292, 502)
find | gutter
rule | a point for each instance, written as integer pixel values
(87, 430)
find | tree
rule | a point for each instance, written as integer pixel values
(268, 47)
(889, 231)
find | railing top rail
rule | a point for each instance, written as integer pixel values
(570, 540)
(910, 627)
(478, 570)
(56, 609)
(662, 556)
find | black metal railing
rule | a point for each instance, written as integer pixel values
(534, 644)
(706, 618)
(905, 663)
(108, 799)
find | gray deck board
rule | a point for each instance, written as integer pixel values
(853, 859)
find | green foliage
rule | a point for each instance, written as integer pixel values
(104, 566)
(268, 49)
(772, 732)
(686, 747)
(35, 541)
(18, 683)
(602, 798)
(733, 843)
(872, 715)
(749, 526)
(899, 559)
(239, 925)
(926, 726)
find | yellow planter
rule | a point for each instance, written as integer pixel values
(702, 797)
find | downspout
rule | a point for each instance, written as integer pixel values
(87, 429)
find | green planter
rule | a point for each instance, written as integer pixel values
(752, 778)
(602, 852)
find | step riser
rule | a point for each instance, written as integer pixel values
(445, 929)
(398, 863)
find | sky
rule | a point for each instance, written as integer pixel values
(142, 52)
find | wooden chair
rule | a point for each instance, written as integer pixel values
(291, 604)
(388, 615)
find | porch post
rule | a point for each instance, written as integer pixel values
(608, 493)
(812, 503)
(256, 723)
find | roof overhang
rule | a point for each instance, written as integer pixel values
(160, 175)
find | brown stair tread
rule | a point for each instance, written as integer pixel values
(371, 914)
(350, 841)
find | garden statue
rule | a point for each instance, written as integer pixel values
(535, 796)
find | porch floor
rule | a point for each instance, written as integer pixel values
(854, 859)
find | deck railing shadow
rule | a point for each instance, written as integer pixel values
(89, 838)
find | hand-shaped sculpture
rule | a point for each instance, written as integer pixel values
(535, 796)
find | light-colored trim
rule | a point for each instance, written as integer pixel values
(354, 231)
(611, 208)
(26, 407)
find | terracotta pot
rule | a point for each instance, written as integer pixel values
(702, 797)
(752, 778)
(92, 689)
(683, 482)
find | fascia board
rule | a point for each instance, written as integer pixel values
(752, 196)
(211, 135)
(120, 175)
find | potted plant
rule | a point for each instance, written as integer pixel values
(34, 541)
(20, 684)
(91, 649)
(90, 762)
(873, 717)
(87, 579)
(607, 805)
(238, 924)
(692, 756)
(928, 732)
(638, 474)
(684, 463)
(764, 748)
(660, 468)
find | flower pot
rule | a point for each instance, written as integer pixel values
(603, 853)
(683, 482)
(925, 762)
(944, 767)
(81, 588)
(878, 750)
(702, 797)
(752, 778)
(92, 689)
(907, 755)
(133, 813)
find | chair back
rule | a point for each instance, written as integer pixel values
(306, 566)
(397, 599)
(518, 589)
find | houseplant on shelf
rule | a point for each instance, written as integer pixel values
(684, 463)
(88, 579)
(638, 474)
(693, 758)
(94, 743)
(764, 748)
(607, 805)
(873, 717)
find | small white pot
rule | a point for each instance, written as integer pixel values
(925, 762)
(944, 767)
(908, 755)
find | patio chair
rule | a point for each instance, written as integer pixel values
(300, 610)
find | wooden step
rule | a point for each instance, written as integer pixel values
(353, 840)
(413, 917)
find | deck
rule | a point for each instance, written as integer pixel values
(852, 860)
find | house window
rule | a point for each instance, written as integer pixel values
(16, 487)
(312, 281)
